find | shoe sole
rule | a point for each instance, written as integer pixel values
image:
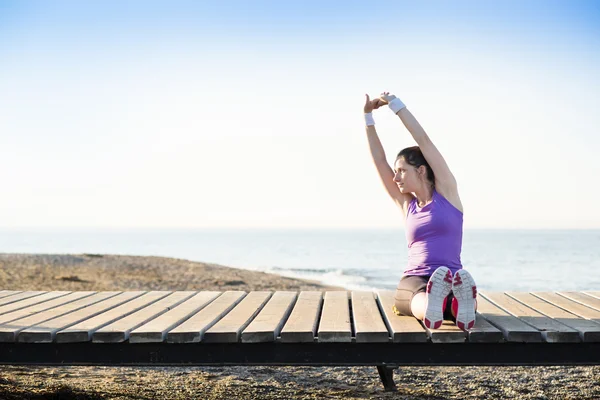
(438, 288)
(465, 292)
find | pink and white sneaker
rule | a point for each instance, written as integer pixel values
(465, 292)
(438, 288)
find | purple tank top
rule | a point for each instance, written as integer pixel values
(434, 236)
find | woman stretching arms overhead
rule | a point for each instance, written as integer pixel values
(434, 285)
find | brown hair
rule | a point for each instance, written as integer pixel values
(414, 156)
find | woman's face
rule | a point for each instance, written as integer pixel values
(406, 176)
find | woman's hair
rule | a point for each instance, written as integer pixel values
(413, 156)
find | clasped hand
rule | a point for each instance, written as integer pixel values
(374, 104)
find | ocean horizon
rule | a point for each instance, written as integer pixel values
(356, 259)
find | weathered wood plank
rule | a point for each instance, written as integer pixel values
(83, 331)
(552, 331)
(19, 296)
(192, 330)
(301, 326)
(368, 323)
(5, 293)
(156, 330)
(513, 329)
(448, 332)
(40, 307)
(269, 321)
(483, 331)
(46, 331)
(30, 301)
(572, 306)
(10, 331)
(589, 331)
(593, 294)
(589, 301)
(334, 325)
(403, 328)
(228, 329)
(119, 330)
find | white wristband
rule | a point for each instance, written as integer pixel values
(369, 121)
(396, 105)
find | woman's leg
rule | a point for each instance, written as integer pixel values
(439, 287)
(408, 287)
(465, 293)
(418, 305)
(412, 297)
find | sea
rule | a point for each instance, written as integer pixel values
(356, 259)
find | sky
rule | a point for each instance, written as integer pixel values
(195, 114)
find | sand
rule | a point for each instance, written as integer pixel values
(111, 272)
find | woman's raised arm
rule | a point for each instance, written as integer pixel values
(378, 154)
(375, 146)
(430, 152)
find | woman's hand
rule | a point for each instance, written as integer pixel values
(371, 105)
(386, 98)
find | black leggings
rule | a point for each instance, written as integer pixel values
(408, 287)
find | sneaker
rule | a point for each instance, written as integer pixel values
(465, 292)
(438, 288)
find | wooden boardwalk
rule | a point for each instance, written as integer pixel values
(187, 328)
(285, 317)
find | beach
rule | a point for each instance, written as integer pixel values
(119, 272)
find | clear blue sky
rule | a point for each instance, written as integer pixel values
(249, 114)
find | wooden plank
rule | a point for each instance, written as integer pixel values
(589, 331)
(448, 332)
(40, 307)
(589, 301)
(334, 325)
(512, 328)
(368, 323)
(483, 331)
(228, 329)
(593, 294)
(301, 326)
(570, 305)
(10, 331)
(46, 331)
(83, 331)
(192, 330)
(156, 329)
(30, 301)
(5, 293)
(119, 330)
(267, 324)
(403, 328)
(552, 330)
(19, 296)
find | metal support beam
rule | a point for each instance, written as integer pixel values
(318, 354)
(385, 356)
(387, 377)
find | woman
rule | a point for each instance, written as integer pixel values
(423, 187)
